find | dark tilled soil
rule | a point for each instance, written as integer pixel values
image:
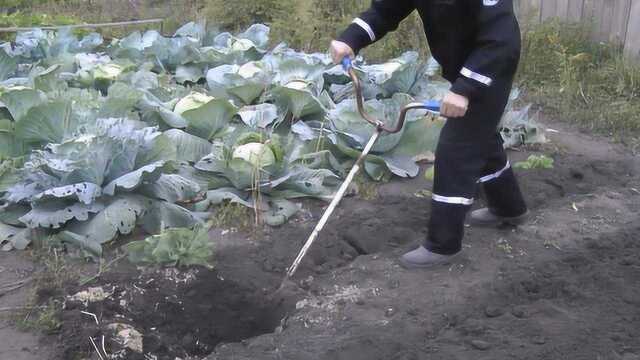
(564, 286)
(168, 308)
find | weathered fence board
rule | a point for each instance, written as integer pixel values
(632, 43)
(575, 10)
(620, 21)
(549, 9)
(616, 21)
(562, 8)
(529, 10)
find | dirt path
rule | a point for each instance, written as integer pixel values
(564, 286)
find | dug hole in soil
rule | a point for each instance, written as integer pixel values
(564, 286)
(178, 314)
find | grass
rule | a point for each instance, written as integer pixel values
(64, 12)
(367, 188)
(582, 82)
(233, 215)
(43, 307)
(44, 319)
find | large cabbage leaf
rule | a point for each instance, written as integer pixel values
(188, 147)
(346, 120)
(50, 122)
(19, 99)
(299, 86)
(119, 216)
(246, 82)
(8, 65)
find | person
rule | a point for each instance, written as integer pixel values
(477, 43)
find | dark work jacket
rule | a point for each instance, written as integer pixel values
(477, 42)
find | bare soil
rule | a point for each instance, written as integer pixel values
(564, 286)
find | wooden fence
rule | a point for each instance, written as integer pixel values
(616, 21)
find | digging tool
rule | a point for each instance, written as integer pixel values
(431, 106)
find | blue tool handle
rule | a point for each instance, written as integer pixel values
(346, 63)
(432, 105)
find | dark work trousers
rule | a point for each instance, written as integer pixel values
(470, 153)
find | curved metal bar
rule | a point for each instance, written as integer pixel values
(370, 119)
(405, 110)
(360, 101)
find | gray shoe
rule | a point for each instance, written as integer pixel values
(423, 258)
(484, 217)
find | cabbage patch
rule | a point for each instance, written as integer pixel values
(152, 132)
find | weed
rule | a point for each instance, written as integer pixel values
(367, 188)
(423, 194)
(45, 319)
(504, 246)
(103, 267)
(588, 83)
(549, 244)
(42, 309)
(174, 247)
(430, 173)
(535, 162)
(232, 215)
(56, 271)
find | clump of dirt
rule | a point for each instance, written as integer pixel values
(178, 313)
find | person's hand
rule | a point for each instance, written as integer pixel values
(454, 105)
(339, 51)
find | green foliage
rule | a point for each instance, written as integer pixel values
(580, 80)
(367, 188)
(19, 4)
(430, 173)
(303, 24)
(244, 13)
(174, 247)
(313, 24)
(129, 145)
(45, 319)
(25, 19)
(29, 19)
(535, 162)
(43, 307)
(232, 215)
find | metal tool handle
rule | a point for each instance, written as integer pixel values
(432, 105)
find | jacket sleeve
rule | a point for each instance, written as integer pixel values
(382, 17)
(497, 48)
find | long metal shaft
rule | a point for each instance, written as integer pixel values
(430, 106)
(332, 206)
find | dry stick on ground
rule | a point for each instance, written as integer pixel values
(101, 270)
